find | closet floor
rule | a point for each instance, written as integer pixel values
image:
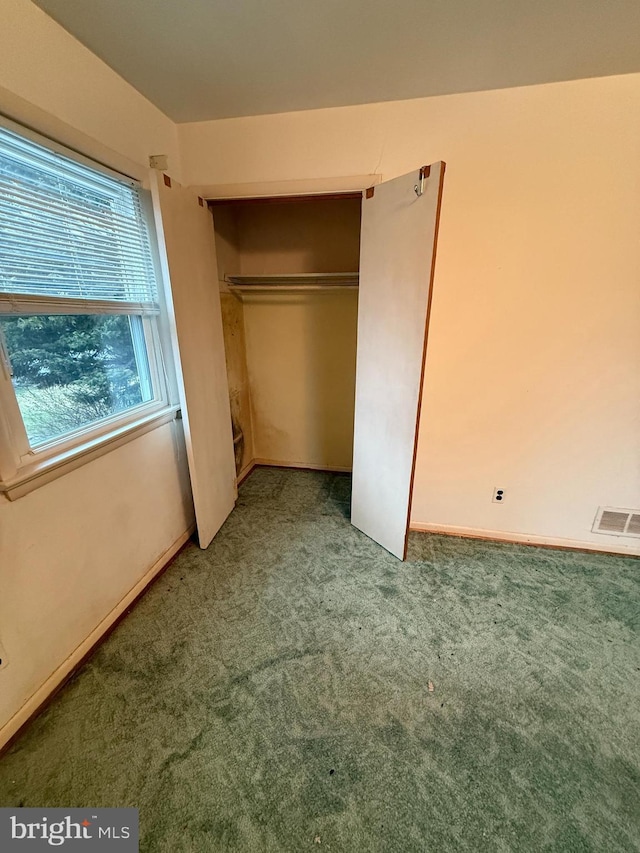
(294, 687)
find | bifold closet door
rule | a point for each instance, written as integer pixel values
(194, 307)
(397, 255)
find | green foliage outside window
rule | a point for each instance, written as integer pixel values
(71, 370)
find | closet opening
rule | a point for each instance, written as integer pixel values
(288, 272)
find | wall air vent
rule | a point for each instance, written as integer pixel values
(617, 522)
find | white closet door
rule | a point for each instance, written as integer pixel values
(189, 255)
(397, 254)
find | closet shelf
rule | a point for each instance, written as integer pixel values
(300, 282)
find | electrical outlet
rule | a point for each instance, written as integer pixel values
(498, 496)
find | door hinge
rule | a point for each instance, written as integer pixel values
(422, 176)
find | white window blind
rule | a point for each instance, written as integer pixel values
(70, 232)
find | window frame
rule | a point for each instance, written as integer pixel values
(23, 467)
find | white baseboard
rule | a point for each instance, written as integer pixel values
(58, 676)
(308, 466)
(524, 538)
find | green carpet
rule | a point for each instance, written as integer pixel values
(295, 687)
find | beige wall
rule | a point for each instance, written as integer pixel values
(321, 236)
(532, 379)
(74, 548)
(71, 551)
(301, 352)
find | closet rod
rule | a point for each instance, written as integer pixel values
(306, 280)
(289, 288)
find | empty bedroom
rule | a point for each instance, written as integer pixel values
(319, 426)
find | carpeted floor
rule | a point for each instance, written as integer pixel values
(294, 687)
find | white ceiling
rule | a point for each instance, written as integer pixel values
(206, 59)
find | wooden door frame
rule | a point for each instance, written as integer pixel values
(425, 342)
(274, 189)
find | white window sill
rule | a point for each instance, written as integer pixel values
(43, 471)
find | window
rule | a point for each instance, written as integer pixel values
(79, 306)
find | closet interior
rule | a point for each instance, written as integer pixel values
(288, 274)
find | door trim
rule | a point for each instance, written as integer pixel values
(424, 354)
(274, 189)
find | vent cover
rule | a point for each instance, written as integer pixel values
(617, 522)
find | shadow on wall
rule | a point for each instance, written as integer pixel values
(330, 374)
(313, 236)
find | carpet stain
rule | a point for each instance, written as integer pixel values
(274, 693)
